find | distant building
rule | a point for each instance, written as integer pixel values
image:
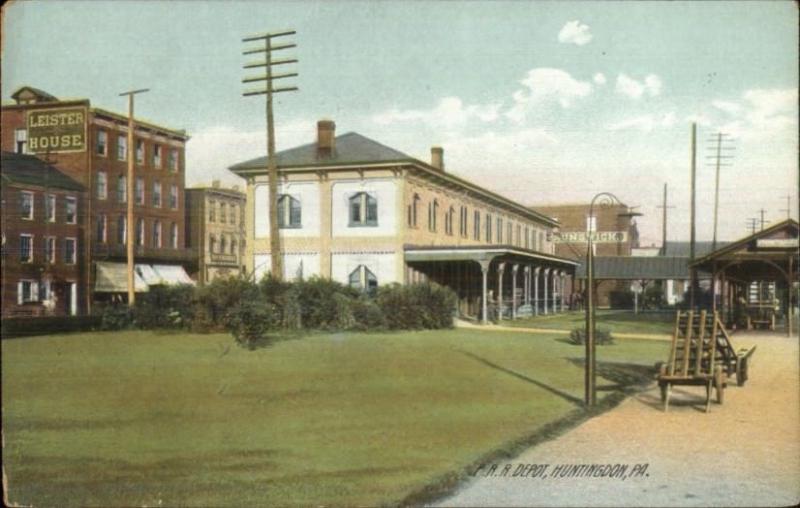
(365, 214)
(44, 266)
(89, 145)
(215, 230)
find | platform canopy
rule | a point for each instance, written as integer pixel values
(637, 268)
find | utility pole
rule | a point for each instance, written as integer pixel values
(788, 208)
(762, 221)
(718, 139)
(693, 272)
(752, 222)
(664, 207)
(129, 227)
(269, 91)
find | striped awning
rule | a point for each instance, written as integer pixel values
(113, 278)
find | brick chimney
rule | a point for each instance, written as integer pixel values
(326, 138)
(437, 157)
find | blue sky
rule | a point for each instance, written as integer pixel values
(544, 102)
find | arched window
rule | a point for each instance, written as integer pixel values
(433, 212)
(448, 221)
(363, 210)
(289, 212)
(363, 279)
(233, 246)
(212, 244)
(157, 234)
(412, 211)
(222, 244)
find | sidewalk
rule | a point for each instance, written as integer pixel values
(745, 452)
(552, 331)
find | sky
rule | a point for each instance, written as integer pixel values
(544, 102)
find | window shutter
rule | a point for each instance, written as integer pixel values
(19, 293)
(35, 296)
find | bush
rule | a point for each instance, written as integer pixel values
(165, 307)
(620, 299)
(116, 316)
(653, 297)
(425, 305)
(601, 337)
(30, 326)
(250, 321)
(324, 303)
(213, 302)
(367, 315)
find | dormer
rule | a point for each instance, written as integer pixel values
(30, 95)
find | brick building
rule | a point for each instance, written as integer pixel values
(215, 230)
(44, 267)
(616, 235)
(366, 214)
(89, 145)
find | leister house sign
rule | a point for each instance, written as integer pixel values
(57, 130)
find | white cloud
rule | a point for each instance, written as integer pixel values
(762, 114)
(449, 113)
(731, 108)
(644, 123)
(599, 78)
(698, 118)
(575, 32)
(543, 84)
(626, 85)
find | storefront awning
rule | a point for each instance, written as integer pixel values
(172, 275)
(113, 278)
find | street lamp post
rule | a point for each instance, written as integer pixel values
(606, 199)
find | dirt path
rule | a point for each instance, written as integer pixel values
(745, 452)
(554, 331)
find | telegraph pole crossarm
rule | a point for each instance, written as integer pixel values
(269, 90)
(129, 226)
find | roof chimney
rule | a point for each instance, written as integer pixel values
(437, 157)
(326, 138)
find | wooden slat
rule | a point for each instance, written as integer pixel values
(674, 347)
(687, 341)
(699, 348)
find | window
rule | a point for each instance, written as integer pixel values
(591, 224)
(173, 236)
(433, 211)
(363, 279)
(519, 235)
(157, 194)
(448, 221)
(140, 232)
(122, 189)
(139, 151)
(27, 291)
(499, 230)
(289, 212)
(139, 194)
(488, 228)
(212, 244)
(510, 233)
(233, 246)
(122, 147)
(527, 237)
(71, 206)
(363, 210)
(476, 225)
(233, 214)
(102, 229)
(102, 143)
(50, 249)
(412, 211)
(26, 205)
(173, 159)
(462, 223)
(157, 234)
(69, 251)
(212, 211)
(102, 185)
(157, 156)
(223, 212)
(222, 244)
(122, 230)
(541, 240)
(26, 248)
(173, 196)
(21, 140)
(50, 207)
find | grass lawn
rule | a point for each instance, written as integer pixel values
(620, 321)
(140, 418)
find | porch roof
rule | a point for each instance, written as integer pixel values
(477, 253)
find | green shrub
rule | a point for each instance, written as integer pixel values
(602, 337)
(46, 325)
(324, 303)
(653, 297)
(250, 321)
(116, 316)
(213, 302)
(424, 305)
(165, 307)
(367, 315)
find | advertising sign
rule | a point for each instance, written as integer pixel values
(776, 243)
(57, 130)
(598, 237)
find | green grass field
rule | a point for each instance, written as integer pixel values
(140, 418)
(620, 321)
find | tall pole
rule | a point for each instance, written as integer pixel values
(762, 221)
(716, 191)
(664, 207)
(718, 147)
(272, 164)
(693, 272)
(129, 226)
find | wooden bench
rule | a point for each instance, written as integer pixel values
(692, 358)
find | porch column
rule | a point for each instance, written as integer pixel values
(514, 270)
(536, 290)
(527, 283)
(555, 292)
(546, 276)
(484, 273)
(562, 279)
(501, 267)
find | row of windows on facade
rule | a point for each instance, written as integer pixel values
(156, 236)
(48, 251)
(223, 246)
(102, 149)
(525, 235)
(138, 191)
(32, 291)
(27, 207)
(363, 211)
(224, 216)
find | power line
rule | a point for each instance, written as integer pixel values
(718, 158)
